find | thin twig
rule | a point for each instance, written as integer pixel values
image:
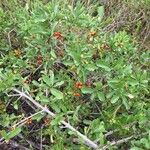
(86, 140)
(124, 140)
(33, 144)
(9, 38)
(29, 103)
(116, 130)
(41, 139)
(22, 122)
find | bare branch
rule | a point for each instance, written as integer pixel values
(124, 140)
(86, 140)
(22, 122)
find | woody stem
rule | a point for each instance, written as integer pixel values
(86, 140)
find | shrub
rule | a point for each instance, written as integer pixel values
(60, 57)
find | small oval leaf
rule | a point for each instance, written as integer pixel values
(114, 99)
(101, 96)
(56, 93)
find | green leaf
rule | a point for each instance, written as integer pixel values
(38, 117)
(109, 95)
(56, 93)
(114, 99)
(46, 79)
(13, 133)
(101, 96)
(53, 54)
(131, 96)
(93, 96)
(113, 81)
(86, 90)
(40, 15)
(44, 100)
(49, 80)
(133, 82)
(87, 122)
(100, 11)
(3, 134)
(97, 126)
(103, 65)
(101, 138)
(57, 120)
(56, 9)
(91, 67)
(55, 107)
(35, 83)
(15, 105)
(51, 77)
(125, 103)
(59, 83)
(53, 28)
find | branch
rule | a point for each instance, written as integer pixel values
(124, 140)
(116, 130)
(22, 122)
(86, 140)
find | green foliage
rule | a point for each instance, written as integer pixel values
(60, 45)
(143, 143)
(11, 134)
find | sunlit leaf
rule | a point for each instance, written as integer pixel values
(56, 93)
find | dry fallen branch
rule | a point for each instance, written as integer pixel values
(85, 139)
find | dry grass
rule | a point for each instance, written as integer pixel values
(130, 16)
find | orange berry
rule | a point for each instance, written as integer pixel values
(92, 33)
(46, 121)
(39, 59)
(57, 35)
(29, 121)
(79, 85)
(77, 94)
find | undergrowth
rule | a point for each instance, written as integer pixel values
(81, 61)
